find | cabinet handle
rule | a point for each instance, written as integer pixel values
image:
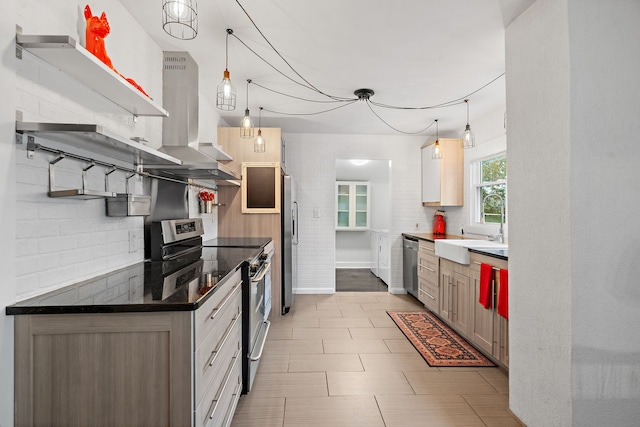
(214, 353)
(426, 248)
(224, 384)
(216, 310)
(232, 409)
(427, 268)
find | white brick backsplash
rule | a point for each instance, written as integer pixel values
(76, 256)
(35, 264)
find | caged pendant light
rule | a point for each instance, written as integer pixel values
(259, 145)
(468, 139)
(246, 126)
(180, 18)
(226, 98)
(436, 153)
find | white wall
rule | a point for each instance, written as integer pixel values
(311, 160)
(572, 97)
(7, 207)
(48, 242)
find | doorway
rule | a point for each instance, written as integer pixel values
(363, 219)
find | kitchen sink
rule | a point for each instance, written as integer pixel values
(457, 250)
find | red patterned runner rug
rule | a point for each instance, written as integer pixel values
(438, 344)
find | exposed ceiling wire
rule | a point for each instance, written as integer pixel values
(333, 98)
(311, 114)
(300, 98)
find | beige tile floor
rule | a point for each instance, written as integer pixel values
(339, 360)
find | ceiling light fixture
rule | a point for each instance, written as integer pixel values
(364, 94)
(259, 145)
(436, 154)
(359, 162)
(246, 126)
(468, 139)
(180, 18)
(226, 98)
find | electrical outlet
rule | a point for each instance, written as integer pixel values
(316, 212)
(133, 241)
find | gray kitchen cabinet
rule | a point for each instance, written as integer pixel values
(454, 295)
(490, 331)
(443, 180)
(159, 368)
(428, 276)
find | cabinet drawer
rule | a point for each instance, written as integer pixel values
(427, 247)
(429, 294)
(428, 267)
(218, 347)
(218, 405)
(207, 315)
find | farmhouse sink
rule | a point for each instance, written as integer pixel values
(458, 250)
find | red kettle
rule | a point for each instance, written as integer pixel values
(439, 224)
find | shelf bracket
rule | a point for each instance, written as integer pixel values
(18, 47)
(31, 147)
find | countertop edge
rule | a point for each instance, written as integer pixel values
(12, 310)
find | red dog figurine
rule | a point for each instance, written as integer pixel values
(97, 30)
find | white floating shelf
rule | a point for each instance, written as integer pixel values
(64, 53)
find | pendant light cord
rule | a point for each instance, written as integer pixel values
(226, 49)
(248, 81)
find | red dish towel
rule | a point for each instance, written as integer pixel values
(503, 294)
(486, 275)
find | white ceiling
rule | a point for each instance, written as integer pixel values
(412, 53)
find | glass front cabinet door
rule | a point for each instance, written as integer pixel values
(353, 205)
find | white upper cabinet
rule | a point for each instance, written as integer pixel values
(353, 205)
(442, 180)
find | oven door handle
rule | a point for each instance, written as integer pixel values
(264, 271)
(253, 358)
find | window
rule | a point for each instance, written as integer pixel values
(489, 186)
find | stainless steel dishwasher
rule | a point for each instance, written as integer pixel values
(410, 266)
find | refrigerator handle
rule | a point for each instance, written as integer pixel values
(294, 219)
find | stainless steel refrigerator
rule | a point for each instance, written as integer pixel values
(289, 241)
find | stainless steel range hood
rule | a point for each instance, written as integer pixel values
(180, 129)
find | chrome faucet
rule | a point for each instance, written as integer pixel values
(500, 234)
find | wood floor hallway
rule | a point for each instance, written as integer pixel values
(358, 280)
(339, 360)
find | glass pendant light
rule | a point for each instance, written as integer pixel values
(226, 98)
(468, 139)
(259, 145)
(436, 153)
(180, 18)
(246, 126)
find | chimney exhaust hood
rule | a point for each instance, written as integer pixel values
(180, 129)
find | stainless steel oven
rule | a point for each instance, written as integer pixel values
(179, 241)
(259, 282)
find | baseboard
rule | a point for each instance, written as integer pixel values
(397, 291)
(354, 264)
(313, 291)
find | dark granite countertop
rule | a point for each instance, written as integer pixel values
(495, 253)
(145, 287)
